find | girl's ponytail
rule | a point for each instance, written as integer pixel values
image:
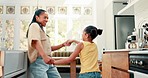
(99, 31)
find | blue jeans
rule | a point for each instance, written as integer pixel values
(90, 75)
(40, 69)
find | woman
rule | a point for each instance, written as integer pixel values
(39, 48)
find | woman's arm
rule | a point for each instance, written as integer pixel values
(38, 46)
(57, 47)
(72, 57)
(67, 43)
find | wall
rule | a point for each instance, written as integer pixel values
(110, 9)
(100, 23)
(107, 2)
(109, 26)
(105, 21)
(141, 12)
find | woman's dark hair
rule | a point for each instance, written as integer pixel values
(37, 13)
(93, 31)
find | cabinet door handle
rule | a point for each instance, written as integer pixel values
(130, 71)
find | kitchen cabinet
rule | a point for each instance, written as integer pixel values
(115, 64)
(119, 74)
(133, 6)
(137, 8)
(129, 9)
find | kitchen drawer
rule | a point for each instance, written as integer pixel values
(116, 73)
(120, 60)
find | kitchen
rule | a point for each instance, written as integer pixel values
(73, 16)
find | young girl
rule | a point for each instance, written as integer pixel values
(88, 52)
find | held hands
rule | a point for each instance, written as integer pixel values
(68, 43)
(48, 60)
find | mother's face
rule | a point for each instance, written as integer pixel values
(42, 18)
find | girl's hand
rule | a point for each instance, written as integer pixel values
(48, 60)
(51, 61)
(68, 42)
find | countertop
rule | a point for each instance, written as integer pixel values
(118, 50)
(63, 57)
(131, 51)
(139, 52)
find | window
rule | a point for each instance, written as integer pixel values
(23, 29)
(9, 34)
(65, 22)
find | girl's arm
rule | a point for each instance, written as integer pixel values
(77, 42)
(72, 57)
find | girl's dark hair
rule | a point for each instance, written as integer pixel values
(93, 31)
(37, 13)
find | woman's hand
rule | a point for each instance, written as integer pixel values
(51, 61)
(68, 42)
(48, 60)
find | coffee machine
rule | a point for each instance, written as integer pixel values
(131, 42)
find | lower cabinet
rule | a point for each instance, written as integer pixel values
(117, 73)
(115, 64)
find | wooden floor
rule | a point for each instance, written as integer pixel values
(65, 72)
(67, 75)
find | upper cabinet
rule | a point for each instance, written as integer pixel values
(133, 6)
(129, 9)
(139, 8)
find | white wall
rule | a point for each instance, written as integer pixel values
(141, 13)
(100, 23)
(107, 2)
(109, 26)
(104, 20)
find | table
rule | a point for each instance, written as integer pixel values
(72, 66)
